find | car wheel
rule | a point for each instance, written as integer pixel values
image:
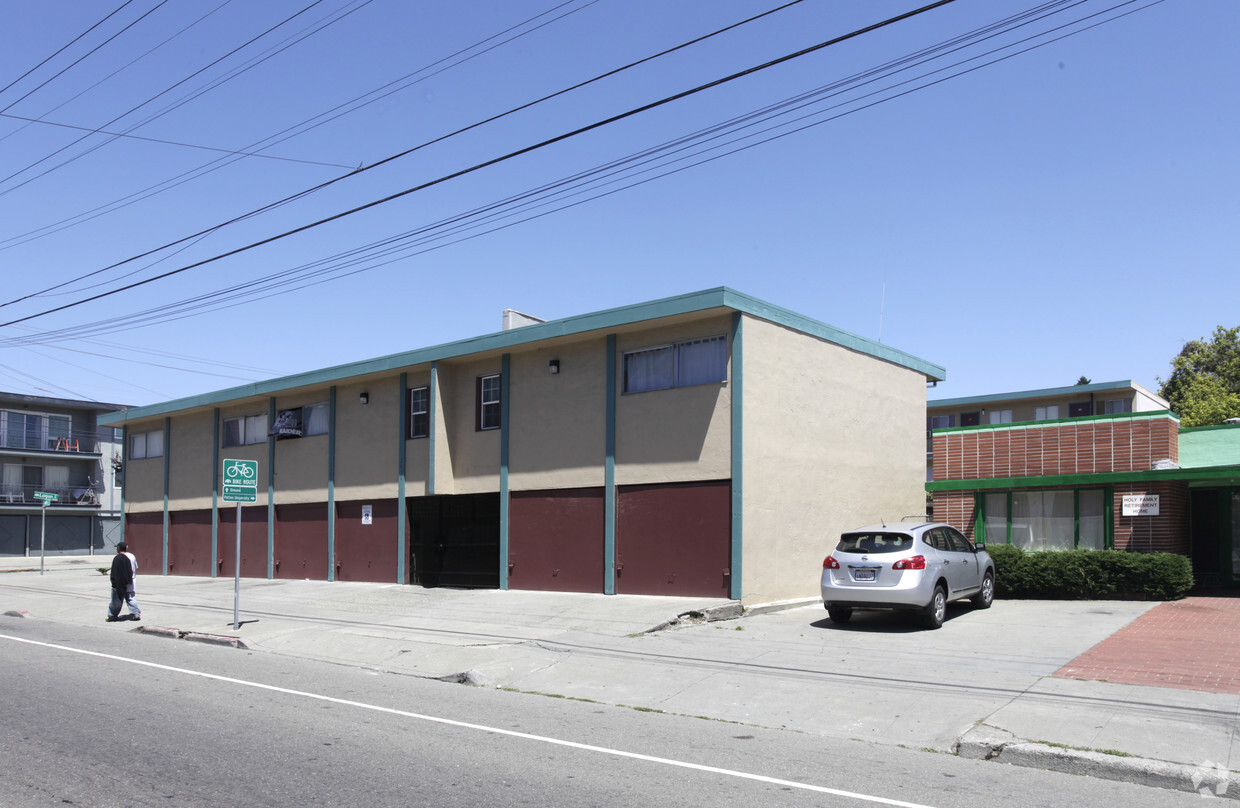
(839, 614)
(986, 595)
(936, 611)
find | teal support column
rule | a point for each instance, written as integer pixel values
(271, 491)
(738, 452)
(609, 474)
(331, 484)
(124, 468)
(430, 431)
(402, 437)
(505, 409)
(167, 478)
(215, 490)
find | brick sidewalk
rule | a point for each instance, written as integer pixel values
(1191, 644)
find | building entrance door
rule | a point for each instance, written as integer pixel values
(454, 541)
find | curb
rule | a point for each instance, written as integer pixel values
(989, 743)
(192, 636)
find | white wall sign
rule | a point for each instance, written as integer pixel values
(367, 514)
(1140, 505)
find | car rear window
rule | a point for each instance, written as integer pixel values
(872, 543)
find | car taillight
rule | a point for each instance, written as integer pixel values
(829, 563)
(917, 562)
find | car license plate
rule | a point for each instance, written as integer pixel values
(864, 575)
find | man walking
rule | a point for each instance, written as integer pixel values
(124, 570)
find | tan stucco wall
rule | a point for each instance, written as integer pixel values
(833, 439)
(558, 425)
(301, 463)
(144, 479)
(472, 464)
(673, 435)
(367, 440)
(190, 461)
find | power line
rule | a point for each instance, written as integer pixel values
(490, 218)
(164, 142)
(494, 161)
(131, 110)
(425, 144)
(81, 58)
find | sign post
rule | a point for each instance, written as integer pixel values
(45, 498)
(240, 485)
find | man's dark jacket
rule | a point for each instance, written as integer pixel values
(122, 572)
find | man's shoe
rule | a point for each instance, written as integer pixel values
(135, 617)
(110, 620)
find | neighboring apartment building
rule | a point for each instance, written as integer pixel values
(709, 444)
(1126, 479)
(1103, 398)
(53, 450)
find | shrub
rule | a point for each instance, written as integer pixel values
(1089, 574)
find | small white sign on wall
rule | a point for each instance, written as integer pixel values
(367, 514)
(1140, 505)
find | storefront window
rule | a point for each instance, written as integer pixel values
(1047, 520)
(996, 518)
(1091, 522)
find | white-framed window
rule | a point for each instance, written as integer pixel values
(489, 402)
(315, 418)
(419, 412)
(1000, 416)
(146, 444)
(1117, 405)
(1047, 413)
(934, 422)
(684, 364)
(245, 430)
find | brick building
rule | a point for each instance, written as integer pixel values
(1126, 481)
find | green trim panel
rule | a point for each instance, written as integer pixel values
(1221, 475)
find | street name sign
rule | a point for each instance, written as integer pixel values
(240, 481)
(46, 497)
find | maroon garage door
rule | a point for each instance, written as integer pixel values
(189, 543)
(253, 542)
(674, 539)
(555, 540)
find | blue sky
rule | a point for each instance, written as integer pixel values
(1071, 210)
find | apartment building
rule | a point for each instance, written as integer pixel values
(709, 444)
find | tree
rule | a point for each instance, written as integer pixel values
(1083, 381)
(1204, 386)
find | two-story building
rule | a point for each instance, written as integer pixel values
(60, 487)
(708, 444)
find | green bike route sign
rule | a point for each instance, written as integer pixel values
(240, 481)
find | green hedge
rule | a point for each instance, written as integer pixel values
(1089, 574)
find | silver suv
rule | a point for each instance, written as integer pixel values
(918, 567)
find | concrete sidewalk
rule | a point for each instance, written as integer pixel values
(994, 684)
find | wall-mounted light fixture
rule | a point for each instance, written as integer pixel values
(554, 366)
(364, 398)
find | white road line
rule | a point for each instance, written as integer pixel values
(481, 727)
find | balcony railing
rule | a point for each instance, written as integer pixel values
(66, 495)
(79, 445)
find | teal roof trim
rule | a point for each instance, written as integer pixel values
(718, 298)
(1050, 392)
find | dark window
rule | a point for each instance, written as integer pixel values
(419, 412)
(1080, 409)
(970, 418)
